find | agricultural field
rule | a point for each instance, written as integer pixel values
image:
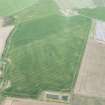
(97, 13)
(37, 11)
(81, 4)
(45, 53)
(9, 7)
(99, 3)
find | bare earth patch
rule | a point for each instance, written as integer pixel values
(65, 8)
(91, 79)
(4, 34)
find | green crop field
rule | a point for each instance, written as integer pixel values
(41, 9)
(45, 53)
(8, 7)
(99, 3)
(98, 13)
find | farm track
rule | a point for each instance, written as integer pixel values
(17, 101)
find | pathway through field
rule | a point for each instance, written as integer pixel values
(16, 101)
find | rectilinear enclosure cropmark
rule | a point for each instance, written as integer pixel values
(56, 96)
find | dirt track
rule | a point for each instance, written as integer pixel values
(14, 101)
